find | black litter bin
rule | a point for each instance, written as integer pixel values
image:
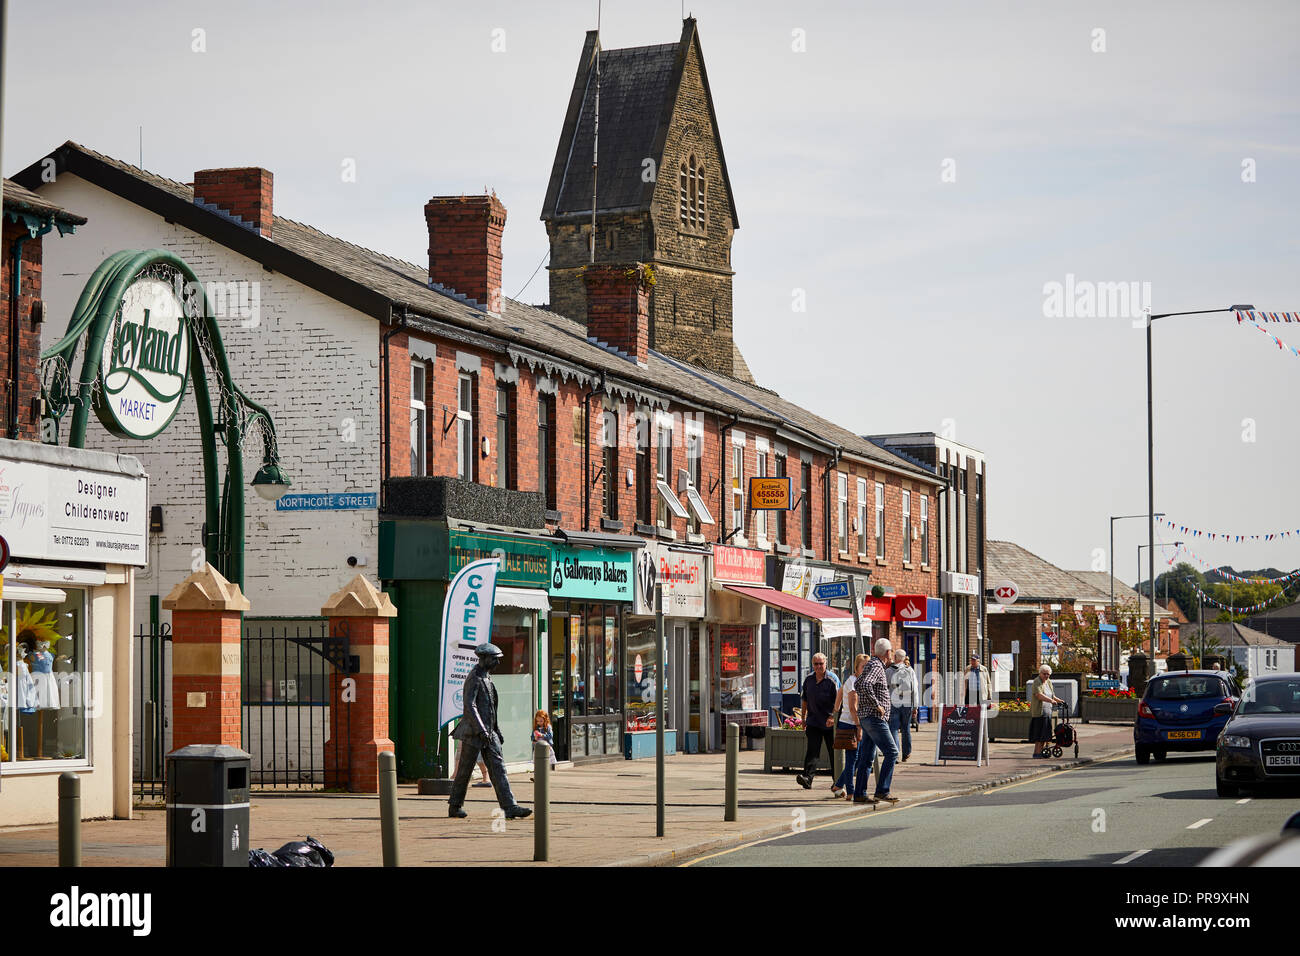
(207, 806)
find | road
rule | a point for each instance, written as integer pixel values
(1113, 813)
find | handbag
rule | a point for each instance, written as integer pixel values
(846, 738)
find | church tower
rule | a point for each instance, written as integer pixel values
(663, 198)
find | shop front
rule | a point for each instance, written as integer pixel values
(75, 523)
(919, 636)
(418, 559)
(681, 574)
(800, 579)
(591, 674)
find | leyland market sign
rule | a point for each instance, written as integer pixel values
(146, 362)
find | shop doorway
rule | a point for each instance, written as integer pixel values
(586, 703)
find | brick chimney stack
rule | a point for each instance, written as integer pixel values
(243, 192)
(465, 246)
(618, 306)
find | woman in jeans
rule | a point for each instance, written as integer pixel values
(847, 707)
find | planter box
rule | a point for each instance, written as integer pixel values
(1007, 726)
(785, 749)
(1119, 710)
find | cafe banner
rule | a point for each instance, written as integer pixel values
(466, 624)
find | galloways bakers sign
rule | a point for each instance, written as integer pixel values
(145, 365)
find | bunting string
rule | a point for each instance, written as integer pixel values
(1254, 316)
(1234, 610)
(1276, 341)
(1284, 579)
(1227, 536)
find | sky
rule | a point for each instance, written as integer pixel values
(919, 175)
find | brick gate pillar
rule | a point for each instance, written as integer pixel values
(207, 614)
(359, 700)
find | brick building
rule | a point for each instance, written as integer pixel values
(634, 431)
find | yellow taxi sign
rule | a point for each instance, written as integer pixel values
(770, 494)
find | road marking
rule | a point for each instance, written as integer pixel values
(1243, 800)
(1049, 776)
(1131, 857)
(1199, 823)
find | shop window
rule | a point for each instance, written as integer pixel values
(736, 669)
(512, 631)
(419, 420)
(641, 673)
(45, 692)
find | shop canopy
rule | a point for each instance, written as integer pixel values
(530, 599)
(834, 622)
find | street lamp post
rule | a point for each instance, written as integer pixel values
(1151, 588)
(1151, 471)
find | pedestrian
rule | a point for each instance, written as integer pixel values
(820, 691)
(847, 709)
(542, 733)
(872, 688)
(479, 733)
(903, 694)
(916, 707)
(979, 689)
(1040, 717)
(1216, 667)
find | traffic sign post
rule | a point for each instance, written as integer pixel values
(832, 590)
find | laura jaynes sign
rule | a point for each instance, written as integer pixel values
(145, 365)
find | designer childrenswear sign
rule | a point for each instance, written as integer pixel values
(72, 514)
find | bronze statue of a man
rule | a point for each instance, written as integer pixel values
(479, 733)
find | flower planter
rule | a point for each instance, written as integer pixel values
(1117, 709)
(785, 749)
(1009, 726)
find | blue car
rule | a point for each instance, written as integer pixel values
(1177, 713)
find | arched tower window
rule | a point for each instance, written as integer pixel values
(693, 190)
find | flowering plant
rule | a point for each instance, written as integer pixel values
(1013, 706)
(792, 722)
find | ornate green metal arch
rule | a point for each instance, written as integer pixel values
(96, 317)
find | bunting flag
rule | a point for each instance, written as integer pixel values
(1218, 569)
(1235, 610)
(1245, 316)
(1276, 341)
(1227, 536)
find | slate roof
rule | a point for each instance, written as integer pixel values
(1227, 633)
(383, 286)
(1037, 579)
(638, 89)
(24, 200)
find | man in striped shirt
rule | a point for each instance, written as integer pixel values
(872, 687)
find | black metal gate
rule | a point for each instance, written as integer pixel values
(152, 716)
(295, 718)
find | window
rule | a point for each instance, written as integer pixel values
(842, 488)
(505, 444)
(862, 517)
(694, 453)
(645, 483)
(609, 441)
(760, 517)
(738, 489)
(907, 527)
(925, 529)
(780, 515)
(805, 489)
(693, 190)
(419, 420)
(45, 678)
(880, 521)
(664, 464)
(546, 448)
(465, 428)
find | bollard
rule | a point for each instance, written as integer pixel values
(733, 769)
(541, 802)
(388, 807)
(69, 819)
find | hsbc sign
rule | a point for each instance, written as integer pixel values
(1006, 592)
(954, 583)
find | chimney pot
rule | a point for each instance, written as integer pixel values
(244, 192)
(465, 246)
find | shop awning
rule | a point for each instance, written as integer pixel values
(834, 622)
(530, 599)
(593, 539)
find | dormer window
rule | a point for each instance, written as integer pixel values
(693, 188)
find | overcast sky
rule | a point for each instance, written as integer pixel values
(921, 170)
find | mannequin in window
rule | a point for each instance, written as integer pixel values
(47, 689)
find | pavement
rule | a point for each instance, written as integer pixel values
(601, 815)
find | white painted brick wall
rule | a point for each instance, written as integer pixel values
(311, 362)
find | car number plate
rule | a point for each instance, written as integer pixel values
(1184, 735)
(1286, 760)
